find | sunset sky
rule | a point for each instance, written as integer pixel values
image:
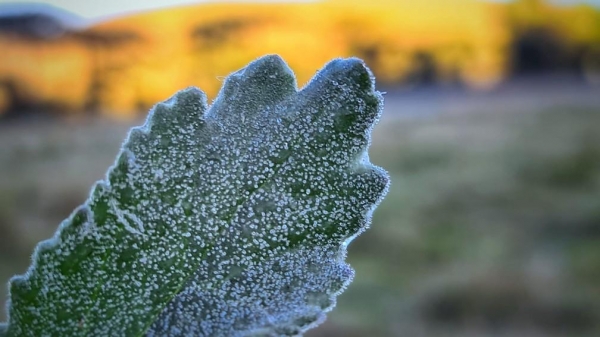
(107, 8)
(95, 10)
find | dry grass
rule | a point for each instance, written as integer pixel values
(491, 227)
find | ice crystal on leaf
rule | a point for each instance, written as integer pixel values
(225, 220)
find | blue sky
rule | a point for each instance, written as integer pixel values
(97, 9)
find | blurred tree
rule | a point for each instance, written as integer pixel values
(423, 70)
(101, 45)
(548, 38)
(539, 50)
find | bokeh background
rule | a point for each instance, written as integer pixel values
(491, 134)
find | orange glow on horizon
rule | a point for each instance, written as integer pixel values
(122, 66)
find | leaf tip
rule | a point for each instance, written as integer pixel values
(349, 72)
(185, 107)
(265, 80)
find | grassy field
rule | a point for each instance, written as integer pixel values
(491, 227)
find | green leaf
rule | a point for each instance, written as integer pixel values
(228, 220)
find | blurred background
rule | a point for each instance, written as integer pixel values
(491, 133)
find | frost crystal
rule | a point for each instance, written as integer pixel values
(228, 220)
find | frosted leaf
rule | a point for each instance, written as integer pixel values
(228, 220)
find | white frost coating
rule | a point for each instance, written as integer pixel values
(232, 220)
(122, 216)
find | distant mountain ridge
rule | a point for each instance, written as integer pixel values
(38, 20)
